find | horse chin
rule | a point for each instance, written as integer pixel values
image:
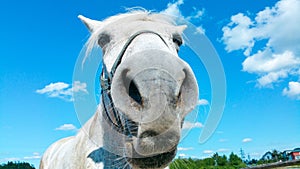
(157, 161)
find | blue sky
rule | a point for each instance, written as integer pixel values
(257, 43)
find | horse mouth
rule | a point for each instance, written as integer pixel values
(156, 161)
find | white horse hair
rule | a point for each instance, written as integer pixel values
(147, 90)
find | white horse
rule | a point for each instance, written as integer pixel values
(147, 90)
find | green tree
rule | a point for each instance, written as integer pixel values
(208, 162)
(16, 165)
(276, 155)
(222, 160)
(236, 161)
(219, 160)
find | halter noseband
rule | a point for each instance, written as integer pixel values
(111, 113)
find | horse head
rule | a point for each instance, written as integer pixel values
(147, 89)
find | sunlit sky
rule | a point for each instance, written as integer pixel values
(257, 43)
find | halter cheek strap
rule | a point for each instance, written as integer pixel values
(111, 114)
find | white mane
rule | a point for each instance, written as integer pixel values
(132, 15)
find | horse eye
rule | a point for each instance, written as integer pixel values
(104, 38)
(177, 39)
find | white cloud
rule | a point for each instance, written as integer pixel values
(78, 86)
(223, 150)
(173, 10)
(199, 13)
(63, 90)
(196, 14)
(53, 88)
(293, 90)
(247, 140)
(200, 30)
(220, 132)
(182, 155)
(208, 152)
(35, 155)
(265, 61)
(202, 102)
(278, 26)
(267, 79)
(10, 159)
(222, 140)
(185, 148)
(237, 34)
(66, 127)
(190, 125)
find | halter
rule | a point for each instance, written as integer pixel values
(111, 114)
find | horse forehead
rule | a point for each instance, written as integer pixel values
(138, 18)
(121, 33)
(143, 42)
(123, 29)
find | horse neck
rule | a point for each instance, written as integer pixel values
(107, 144)
(94, 129)
(101, 132)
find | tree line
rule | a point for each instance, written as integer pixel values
(224, 162)
(214, 162)
(16, 165)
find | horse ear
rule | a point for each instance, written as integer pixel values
(92, 25)
(181, 28)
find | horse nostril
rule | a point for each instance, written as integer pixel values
(149, 133)
(134, 93)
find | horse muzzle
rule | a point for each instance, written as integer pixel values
(151, 80)
(155, 89)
